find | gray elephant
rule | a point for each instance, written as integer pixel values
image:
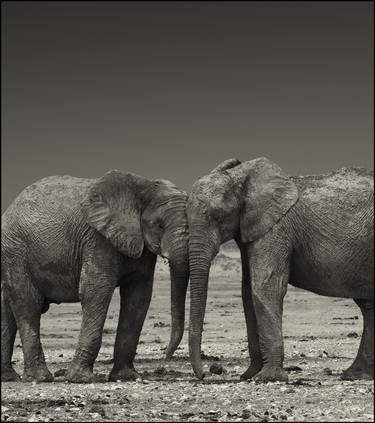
(67, 239)
(315, 232)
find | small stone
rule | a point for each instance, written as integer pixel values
(216, 368)
(352, 335)
(246, 414)
(293, 369)
(60, 372)
(161, 370)
(97, 409)
(327, 371)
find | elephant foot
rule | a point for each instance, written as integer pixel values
(37, 374)
(126, 374)
(251, 371)
(358, 372)
(78, 374)
(271, 374)
(8, 374)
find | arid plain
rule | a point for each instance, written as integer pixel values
(321, 338)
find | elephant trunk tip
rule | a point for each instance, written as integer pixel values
(195, 359)
(172, 347)
(199, 373)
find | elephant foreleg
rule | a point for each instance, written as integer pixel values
(269, 264)
(135, 300)
(251, 324)
(363, 365)
(96, 290)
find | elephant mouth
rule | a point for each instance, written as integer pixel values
(155, 248)
(166, 260)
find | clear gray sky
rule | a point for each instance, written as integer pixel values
(170, 89)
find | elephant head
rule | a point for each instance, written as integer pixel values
(236, 200)
(133, 212)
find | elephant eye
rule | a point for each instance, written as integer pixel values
(160, 225)
(217, 214)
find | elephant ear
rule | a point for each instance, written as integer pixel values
(112, 207)
(268, 195)
(225, 165)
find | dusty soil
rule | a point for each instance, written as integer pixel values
(321, 338)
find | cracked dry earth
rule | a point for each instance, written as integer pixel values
(321, 338)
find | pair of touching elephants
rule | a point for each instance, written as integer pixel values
(67, 239)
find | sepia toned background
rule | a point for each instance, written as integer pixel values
(169, 89)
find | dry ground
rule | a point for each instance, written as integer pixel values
(321, 339)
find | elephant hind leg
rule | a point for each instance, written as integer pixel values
(8, 335)
(26, 303)
(363, 365)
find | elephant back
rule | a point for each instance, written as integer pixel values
(344, 197)
(49, 205)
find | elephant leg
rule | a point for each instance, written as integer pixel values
(26, 303)
(135, 300)
(8, 335)
(269, 264)
(251, 325)
(96, 290)
(363, 365)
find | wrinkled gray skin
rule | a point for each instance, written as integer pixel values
(314, 232)
(66, 239)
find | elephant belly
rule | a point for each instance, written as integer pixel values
(56, 283)
(334, 274)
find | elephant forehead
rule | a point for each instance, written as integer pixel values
(169, 207)
(210, 187)
(165, 182)
(165, 200)
(164, 189)
(204, 206)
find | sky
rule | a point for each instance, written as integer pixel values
(171, 89)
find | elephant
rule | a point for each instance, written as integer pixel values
(315, 232)
(69, 239)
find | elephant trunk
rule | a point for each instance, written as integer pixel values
(175, 246)
(200, 256)
(179, 270)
